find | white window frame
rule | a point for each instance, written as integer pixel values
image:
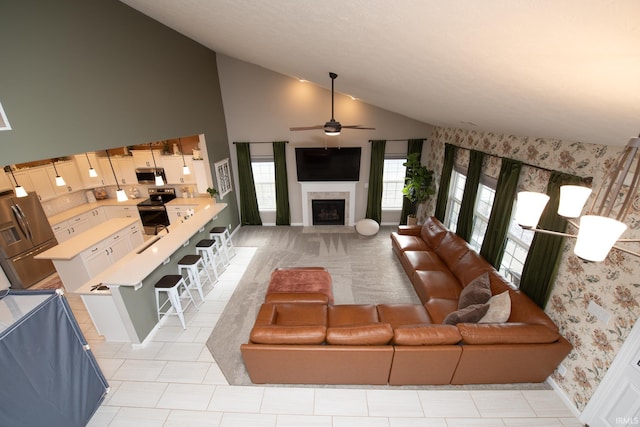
(392, 186)
(264, 187)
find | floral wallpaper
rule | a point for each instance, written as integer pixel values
(613, 284)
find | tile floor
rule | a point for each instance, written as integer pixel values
(173, 381)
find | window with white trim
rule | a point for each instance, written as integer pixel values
(516, 250)
(456, 189)
(264, 178)
(393, 182)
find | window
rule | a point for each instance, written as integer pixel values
(481, 213)
(515, 252)
(392, 183)
(455, 199)
(264, 177)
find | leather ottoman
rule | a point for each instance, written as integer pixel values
(300, 284)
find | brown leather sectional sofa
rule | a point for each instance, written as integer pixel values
(315, 342)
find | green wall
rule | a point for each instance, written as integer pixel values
(83, 75)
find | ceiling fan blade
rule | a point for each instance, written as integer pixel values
(357, 127)
(307, 127)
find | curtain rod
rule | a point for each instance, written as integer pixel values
(586, 180)
(258, 142)
(396, 140)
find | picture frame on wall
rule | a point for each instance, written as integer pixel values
(223, 176)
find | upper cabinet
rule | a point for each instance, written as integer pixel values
(69, 172)
(123, 167)
(173, 169)
(86, 161)
(143, 158)
(5, 181)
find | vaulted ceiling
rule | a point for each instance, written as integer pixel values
(566, 69)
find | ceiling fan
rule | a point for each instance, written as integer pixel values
(332, 127)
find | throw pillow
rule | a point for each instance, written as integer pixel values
(499, 309)
(470, 314)
(478, 291)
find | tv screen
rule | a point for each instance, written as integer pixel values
(328, 164)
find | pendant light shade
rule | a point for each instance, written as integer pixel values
(529, 208)
(92, 171)
(597, 236)
(159, 180)
(19, 189)
(59, 180)
(121, 196)
(185, 168)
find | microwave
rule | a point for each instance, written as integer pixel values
(148, 175)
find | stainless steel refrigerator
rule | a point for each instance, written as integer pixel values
(24, 233)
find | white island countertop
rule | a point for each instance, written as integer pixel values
(134, 267)
(77, 244)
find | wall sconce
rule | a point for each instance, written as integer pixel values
(185, 168)
(92, 171)
(121, 196)
(600, 228)
(158, 178)
(19, 189)
(59, 180)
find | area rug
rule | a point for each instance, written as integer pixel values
(364, 271)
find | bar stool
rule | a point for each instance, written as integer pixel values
(194, 264)
(211, 254)
(172, 285)
(222, 236)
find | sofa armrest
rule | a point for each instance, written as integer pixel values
(267, 315)
(506, 333)
(409, 230)
(426, 335)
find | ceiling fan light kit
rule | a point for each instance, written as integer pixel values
(332, 127)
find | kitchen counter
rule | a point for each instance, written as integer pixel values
(143, 260)
(78, 210)
(75, 245)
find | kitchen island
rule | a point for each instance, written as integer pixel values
(121, 299)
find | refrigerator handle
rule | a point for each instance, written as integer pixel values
(26, 222)
(17, 213)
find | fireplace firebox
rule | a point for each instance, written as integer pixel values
(328, 211)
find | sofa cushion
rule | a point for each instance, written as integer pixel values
(478, 291)
(436, 284)
(432, 232)
(439, 308)
(425, 260)
(370, 334)
(499, 309)
(507, 333)
(294, 314)
(470, 266)
(469, 314)
(408, 242)
(452, 248)
(524, 310)
(403, 314)
(351, 314)
(426, 335)
(275, 334)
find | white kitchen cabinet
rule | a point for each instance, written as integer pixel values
(143, 158)
(69, 172)
(199, 173)
(83, 166)
(124, 168)
(41, 181)
(106, 253)
(176, 213)
(79, 224)
(173, 166)
(24, 180)
(121, 211)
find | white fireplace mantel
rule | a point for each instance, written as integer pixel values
(317, 190)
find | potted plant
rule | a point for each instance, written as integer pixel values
(212, 192)
(418, 185)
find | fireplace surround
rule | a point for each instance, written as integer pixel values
(317, 190)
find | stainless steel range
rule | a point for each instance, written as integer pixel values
(153, 212)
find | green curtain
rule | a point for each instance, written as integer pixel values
(498, 226)
(414, 146)
(283, 214)
(541, 266)
(249, 214)
(445, 181)
(374, 199)
(464, 226)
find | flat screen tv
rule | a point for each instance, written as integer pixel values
(328, 164)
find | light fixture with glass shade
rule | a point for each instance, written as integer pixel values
(92, 171)
(185, 168)
(18, 189)
(121, 196)
(158, 177)
(600, 228)
(59, 180)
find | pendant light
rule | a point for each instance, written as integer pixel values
(600, 228)
(159, 180)
(19, 189)
(185, 168)
(121, 196)
(59, 180)
(92, 171)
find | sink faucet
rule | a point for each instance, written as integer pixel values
(161, 227)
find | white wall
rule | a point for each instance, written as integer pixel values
(261, 105)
